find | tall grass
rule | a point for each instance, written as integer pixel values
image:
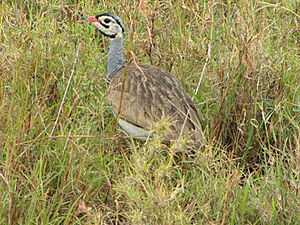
(63, 159)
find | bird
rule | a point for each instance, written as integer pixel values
(142, 95)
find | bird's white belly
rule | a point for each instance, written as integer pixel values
(134, 131)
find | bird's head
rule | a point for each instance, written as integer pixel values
(108, 24)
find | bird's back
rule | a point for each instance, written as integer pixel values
(142, 95)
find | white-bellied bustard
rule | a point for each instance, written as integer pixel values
(142, 95)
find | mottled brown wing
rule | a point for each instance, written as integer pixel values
(143, 95)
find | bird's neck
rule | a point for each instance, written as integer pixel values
(115, 56)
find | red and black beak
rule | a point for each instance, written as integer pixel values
(90, 18)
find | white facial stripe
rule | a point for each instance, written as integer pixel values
(100, 27)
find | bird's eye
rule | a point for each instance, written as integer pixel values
(107, 20)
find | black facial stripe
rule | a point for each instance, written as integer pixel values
(103, 24)
(107, 35)
(118, 22)
(107, 20)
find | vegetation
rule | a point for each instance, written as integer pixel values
(64, 160)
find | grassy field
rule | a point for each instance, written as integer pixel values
(64, 160)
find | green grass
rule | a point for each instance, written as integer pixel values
(63, 159)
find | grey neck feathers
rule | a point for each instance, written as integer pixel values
(115, 56)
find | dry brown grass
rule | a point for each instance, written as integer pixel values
(64, 159)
